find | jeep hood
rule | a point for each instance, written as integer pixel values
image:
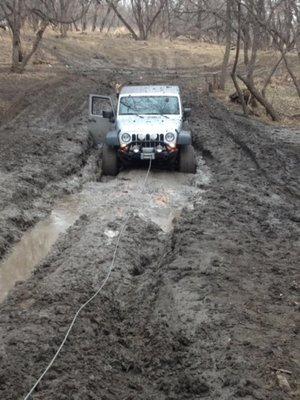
(134, 124)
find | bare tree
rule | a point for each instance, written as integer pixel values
(14, 12)
(17, 12)
(145, 13)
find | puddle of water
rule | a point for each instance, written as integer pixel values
(162, 200)
(34, 245)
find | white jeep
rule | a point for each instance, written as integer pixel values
(148, 124)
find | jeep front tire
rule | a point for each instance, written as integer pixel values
(109, 161)
(187, 159)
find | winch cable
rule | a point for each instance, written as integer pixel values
(110, 269)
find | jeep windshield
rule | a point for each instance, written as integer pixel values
(149, 105)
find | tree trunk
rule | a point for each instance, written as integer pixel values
(237, 54)
(228, 45)
(169, 19)
(297, 37)
(199, 18)
(247, 41)
(63, 28)
(140, 20)
(17, 55)
(95, 18)
(217, 30)
(148, 29)
(142, 32)
(255, 43)
(75, 26)
(252, 62)
(83, 23)
(112, 21)
(105, 18)
(38, 38)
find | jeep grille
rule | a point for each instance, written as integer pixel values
(148, 142)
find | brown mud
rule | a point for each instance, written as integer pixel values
(204, 311)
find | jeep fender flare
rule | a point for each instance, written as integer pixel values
(112, 138)
(184, 138)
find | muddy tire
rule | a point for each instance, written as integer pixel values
(109, 161)
(187, 160)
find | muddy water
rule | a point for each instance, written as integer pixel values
(160, 201)
(34, 245)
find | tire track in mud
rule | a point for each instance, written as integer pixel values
(26, 99)
(245, 133)
(253, 157)
(241, 124)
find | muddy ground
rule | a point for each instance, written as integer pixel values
(204, 311)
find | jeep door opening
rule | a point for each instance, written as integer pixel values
(147, 124)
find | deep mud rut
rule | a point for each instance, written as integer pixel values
(202, 301)
(158, 197)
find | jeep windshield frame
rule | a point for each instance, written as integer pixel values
(149, 105)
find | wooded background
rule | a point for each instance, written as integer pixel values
(245, 27)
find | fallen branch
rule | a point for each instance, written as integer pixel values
(255, 93)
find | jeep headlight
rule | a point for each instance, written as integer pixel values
(125, 137)
(170, 137)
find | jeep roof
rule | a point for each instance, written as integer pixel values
(150, 90)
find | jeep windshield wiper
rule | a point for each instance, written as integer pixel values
(131, 108)
(135, 113)
(164, 115)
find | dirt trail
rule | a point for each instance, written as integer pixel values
(165, 194)
(204, 311)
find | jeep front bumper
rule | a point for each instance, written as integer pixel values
(148, 153)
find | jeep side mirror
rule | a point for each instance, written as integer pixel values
(107, 114)
(186, 113)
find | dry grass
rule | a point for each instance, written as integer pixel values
(125, 52)
(94, 50)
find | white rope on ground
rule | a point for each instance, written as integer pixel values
(29, 394)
